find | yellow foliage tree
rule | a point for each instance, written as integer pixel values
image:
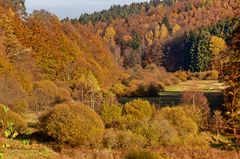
(176, 28)
(86, 86)
(109, 33)
(157, 32)
(217, 45)
(163, 32)
(149, 38)
(119, 89)
(13, 46)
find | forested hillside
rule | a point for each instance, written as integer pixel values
(158, 32)
(38, 52)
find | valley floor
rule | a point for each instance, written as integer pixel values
(19, 148)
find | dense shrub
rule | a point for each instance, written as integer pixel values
(19, 106)
(154, 89)
(202, 75)
(212, 75)
(108, 98)
(200, 116)
(178, 118)
(7, 116)
(123, 139)
(149, 81)
(119, 89)
(158, 133)
(110, 138)
(207, 75)
(137, 111)
(175, 127)
(111, 115)
(182, 75)
(74, 124)
(129, 140)
(146, 89)
(171, 127)
(199, 141)
(218, 122)
(142, 155)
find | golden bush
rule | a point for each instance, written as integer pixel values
(74, 124)
(179, 119)
(7, 116)
(124, 139)
(111, 115)
(137, 111)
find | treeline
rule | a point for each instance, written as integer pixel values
(117, 11)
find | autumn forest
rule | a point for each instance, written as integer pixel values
(150, 80)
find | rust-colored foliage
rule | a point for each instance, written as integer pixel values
(231, 75)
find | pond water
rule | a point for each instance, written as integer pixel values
(215, 99)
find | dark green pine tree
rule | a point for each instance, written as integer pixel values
(199, 53)
(224, 28)
(169, 2)
(203, 52)
(136, 41)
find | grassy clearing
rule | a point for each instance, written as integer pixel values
(202, 85)
(44, 153)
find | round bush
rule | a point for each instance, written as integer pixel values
(8, 116)
(137, 111)
(74, 124)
